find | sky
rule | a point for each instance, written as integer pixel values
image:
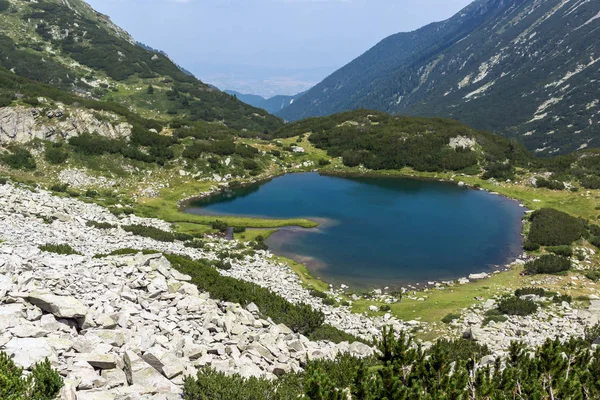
(269, 47)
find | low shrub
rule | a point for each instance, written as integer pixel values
(239, 229)
(517, 306)
(318, 293)
(332, 334)
(219, 225)
(3, 180)
(530, 290)
(251, 165)
(550, 227)
(260, 245)
(530, 246)
(150, 232)
(499, 171)
(495, 318)
(590, 182)
(591, 333)
(63, 249)
(450, 317)
(19, 158)
(564, 250)
(549, 184)
(223, 265)
(595, 241)
(43, 383)
(494, 315)
(324, 162)
(385, 308)
(460, 349)
(59, 187)
(55, 155)
(90, 193)
(548, 264)
(562, 298)
(194, 244)
(593, 275)
(184, 237)
(126, 252)
(100, 225)
(328, 301)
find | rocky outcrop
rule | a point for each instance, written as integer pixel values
(21, 124)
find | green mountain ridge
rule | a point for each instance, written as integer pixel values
(524, 69)
(70, 46)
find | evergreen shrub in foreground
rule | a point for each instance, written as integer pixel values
(403, 370)
(43, 383)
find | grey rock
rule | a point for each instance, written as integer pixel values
(166, 363)
(59, 306)
(96, 395)
(253, 308)
(114, 378)
(101, 361)
(28, 351)
(141, 373)
(86, 376)
(112, 337)
(477, 277)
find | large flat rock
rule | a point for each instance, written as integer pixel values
(59, 306)
(28, 351)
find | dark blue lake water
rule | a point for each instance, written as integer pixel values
(381, 231)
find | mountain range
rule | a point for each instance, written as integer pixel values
(525, 69)
(273, 105)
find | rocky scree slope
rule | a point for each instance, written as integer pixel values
(553, 321)
(132, 325)
(520, 68)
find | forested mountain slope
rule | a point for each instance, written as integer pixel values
(70, 46)
(521, 68)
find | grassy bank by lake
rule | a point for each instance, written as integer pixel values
(166, 207)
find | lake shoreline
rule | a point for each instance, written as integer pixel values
(511, 258)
